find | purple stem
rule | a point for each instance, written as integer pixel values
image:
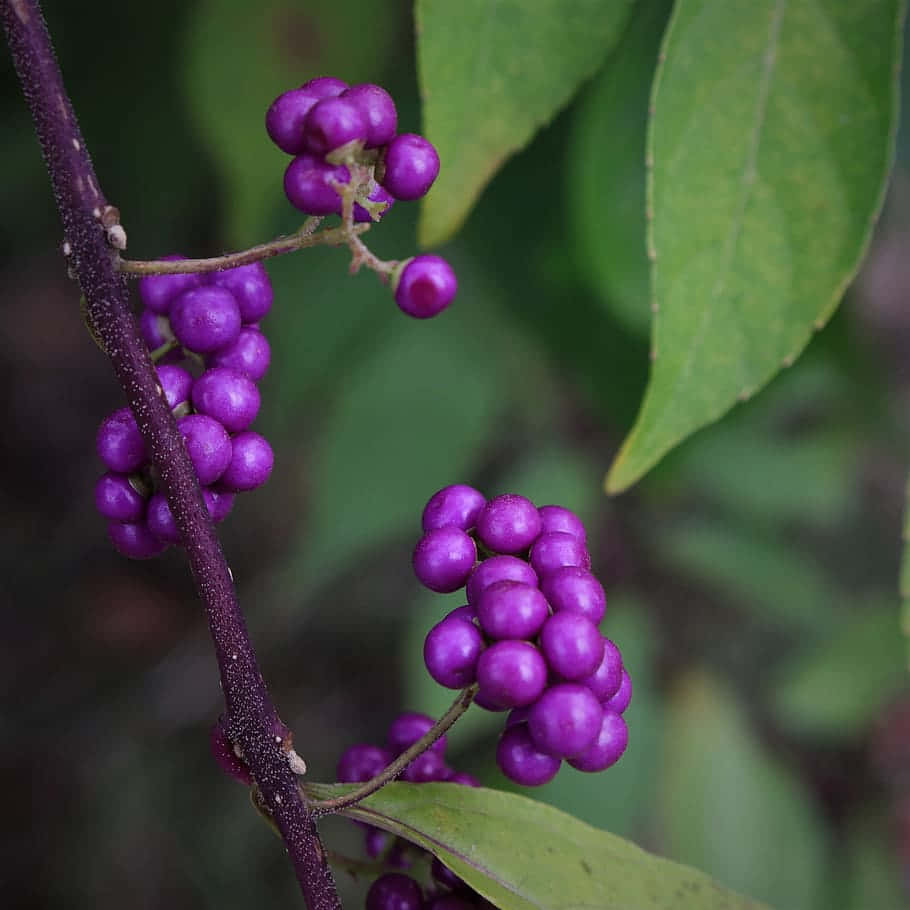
(91, 230)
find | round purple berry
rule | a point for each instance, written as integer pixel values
(377, 194)
(205, 319)
(284, 119)
(407, 728)
(133, 539)
(463, 779)
(251, 288)
(160, 521)
(498, 568)
(508, 524)
(411, 165)
(521, 761)
(119, 443)
(208, 445)
(307, 184)
(571, 644)
(428, 767)
(451, 650)
(158, 292)
(565, 720)
(558, 518)
(425, 286)
(574, 588)
(117, 499)
(378, 111)
(251, 462)
(155, 329)
(249, 353)
(511, 674)
(607, 748)
(218, 502)
(176, 384)
(556, 549)
(467, 613)
(512, 609)
(332, 123)
(375, 841)
(361, 763)
(227, 395)
(482, 701)
(457, 505)
(394, 891)
(443, 559)
(325, 87)
(518, 716)
(620, 700)
(606, 679)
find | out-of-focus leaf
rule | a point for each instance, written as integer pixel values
(729, 808)
(491, 74)
(905, 568)
(770, 143)
(605, 174)
(869, 875)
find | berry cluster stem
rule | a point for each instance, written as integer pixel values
(92, 238)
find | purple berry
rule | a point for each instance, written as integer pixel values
(445, 876)
(325, 87)
(428, 767)
(467, 613)
(457, 505)
(208, 445)
(508, 524)
(284, 119)
(425, 286)
(227, 395)
(463, 779)
(308, 188)
(251, 462)
(378, 194)
(620, 700)
(450, 652)
(375, 841)
(176, 384)
(605, 681)
(488, 704)
(511, 609)
(378, 111)
(607, 748)
(361, 763)
(249, 354)
(117, 499)
(443, 559)
(158, 292)
(511, 674)
(394, 891)
(518, 716)
(498, 568)
(133, 539)
(576, 589)
(556, 549)
(119, 443)
(411, 166)
(160, 521)
(205, 319)
(155, 329)
(521, 761)
(565, 720)
(571, 644)
(218, 502)
(332, 123)
(557, 518)
(251, 288)
(407, 728)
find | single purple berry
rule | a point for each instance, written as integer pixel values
(251, 288)
(565, 720)
(508, 524)
(511, 674)
(218, 502)
(361, 763)
(554, 550)
(521, 761)
(572, 645)
(250, 464)
(488, 704)
(576, 589)
(411, 165)
(558, 518)
(427, 768)
(607, 749)
(224, 754)
(377, 194)
(443, 559)
(620, 700)
(158, 292)
(512, 609)
(378, 111)
(332, 123)
(498, 568)
(227, 395)
(325, 87)
(133, 539)
(463, 779)
(155, 329)
(425, 286)
(467, 613)
(285, 116)
(308, 185)
(119, 443)
(407, 728)
(176, 384)
(117, 499)
(394, 891)
(457, 505)
(249, 353)
(160, 520)
(518, 716)
(606, 679)
(205, 319)
(208, 445)
(375, 841)
(450, 652)
(445, 876)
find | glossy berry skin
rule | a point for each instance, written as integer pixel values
(377, 108)
(606, 679)
(251, 463)
(284, 119)
(508, 524)
(498, 568)
(117, 499)
(176, 384)
(207, 444)
(361, 763)
(451, 650)
(307, 184)
(158, 292)
(623, 696)
(133, 539)
(428, 767)
(160, 521)
(378, 194)
(219, 503)
(332, 123)
(556, 549)
(411, 165)
(205, 319)
(521, 761)
(565, 720)
(155, 329)
(511, 609)
(251, 288)
(425, 286)
(394, 891)
(574, 588)
(249, 353)
(443, 559)
(511, 674)
(466, 612)
(559, 518)
(407, 728)
(227, 395)
(607, 748)
(325, 87)
(119, 443)
(457, 505)
(572, 645)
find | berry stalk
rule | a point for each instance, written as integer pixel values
(92, 238)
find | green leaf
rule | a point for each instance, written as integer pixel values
(730, 808)
(605, 177)
(491, 74)
(770, 142)
(525, 855)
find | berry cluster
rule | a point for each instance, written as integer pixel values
(397, 891)
(528, 635)
(346, 136)
(211, 321)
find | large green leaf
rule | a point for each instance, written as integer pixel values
(491, 74)
(525, 855)
(770, 141)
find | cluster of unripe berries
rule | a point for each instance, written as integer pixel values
(395, 890)
(332, 129)
(212, 354)
(528, 634)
